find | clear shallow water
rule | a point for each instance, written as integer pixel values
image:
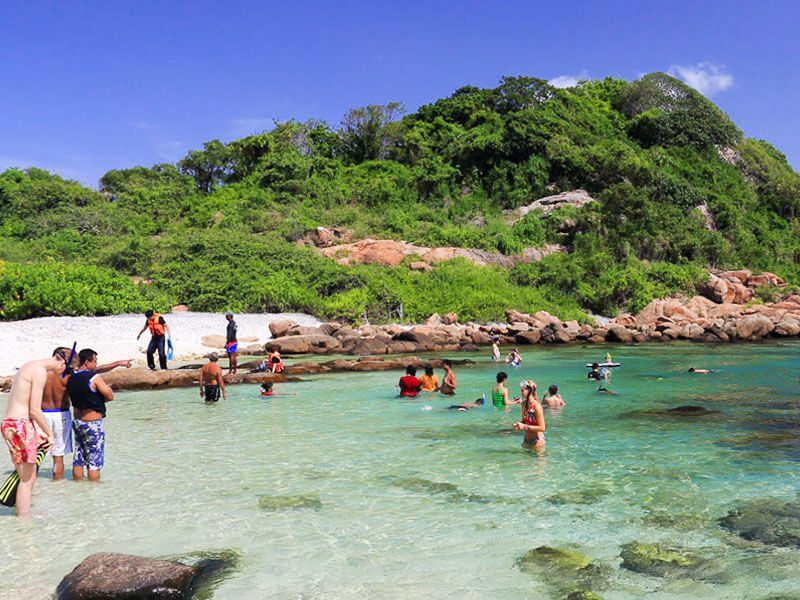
(436, 503)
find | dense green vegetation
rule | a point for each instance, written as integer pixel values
(227, 226)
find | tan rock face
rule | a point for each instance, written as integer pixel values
(753, 327)
(450, 318)
(718, 289)
(280, 327)
(303, 344)
(213, 341)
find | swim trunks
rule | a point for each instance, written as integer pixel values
(90, 444)
(20, 436)
(212, 393)
(231, 348)
(60, 422)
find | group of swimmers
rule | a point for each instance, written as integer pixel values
(38, 416)
(410, 385)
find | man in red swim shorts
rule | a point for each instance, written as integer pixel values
(23, 415)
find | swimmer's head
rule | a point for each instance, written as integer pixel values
(267, 387)
(691, 369)
(148, 313)
(428, 370)
(411, 370)
(446, 363)
(529, 384)
(213, 357)
(553, 389)
(595, 365)
(229, 315)
(480, 400)
(502, 376)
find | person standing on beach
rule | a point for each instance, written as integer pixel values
(55, 406)
(158, 327)
(211, 381)
(230, 342)
(449, 382)
(19, 427)
(89, 395)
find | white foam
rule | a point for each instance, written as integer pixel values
(114, 337)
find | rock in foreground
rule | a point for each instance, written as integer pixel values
(107, 575)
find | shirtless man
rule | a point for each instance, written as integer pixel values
(449, 382)
(211, 381)
(23, 415)
(553, 399)
(55, 406)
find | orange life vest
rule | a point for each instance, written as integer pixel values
(155, 327)
(275, 362)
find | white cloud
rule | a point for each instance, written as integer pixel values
(567, 81)
(705, 77)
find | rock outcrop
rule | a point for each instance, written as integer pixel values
(110, 575)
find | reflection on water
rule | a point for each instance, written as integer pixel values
(346, 491)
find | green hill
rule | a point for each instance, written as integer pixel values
(679, 191)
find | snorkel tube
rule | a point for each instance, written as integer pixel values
(69, 360)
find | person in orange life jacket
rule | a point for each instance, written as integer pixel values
(275, 362)
(157, 326)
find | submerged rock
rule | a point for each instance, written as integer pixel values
(565, 570)
(588, 496)
(108, 575)
(211, 569)
(450, 491)
(289, 502)
(679, 411)
(671, 562)
(770, 520)
(655, 559)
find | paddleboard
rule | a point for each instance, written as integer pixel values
(604, 364)
(8, 491)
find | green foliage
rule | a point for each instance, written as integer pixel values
(678, 191)
(57, 289)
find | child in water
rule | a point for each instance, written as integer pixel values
(267, 392)
(513, 359)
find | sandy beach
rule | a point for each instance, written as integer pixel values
(114, 337)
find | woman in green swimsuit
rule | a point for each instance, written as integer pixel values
(500, 393)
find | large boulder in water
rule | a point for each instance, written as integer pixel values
(107, 575)
(671, 562)
(753, 327)
(770, 520)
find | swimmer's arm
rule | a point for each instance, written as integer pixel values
(142, 331)
(202, 374)
(108, 367)
(222, 385)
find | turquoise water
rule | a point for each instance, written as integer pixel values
(403, 501)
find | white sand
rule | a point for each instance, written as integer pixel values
(114, 338)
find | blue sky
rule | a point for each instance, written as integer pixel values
(90, 86)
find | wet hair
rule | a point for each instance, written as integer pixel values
(266, 386)
(552, 390)
(691, 369)
(595, 365)
(411, 370)
(62, 352)
(447, 362)
(502, 376)
(480, 400)
(86, 355)
(148, 313)
(428, 370)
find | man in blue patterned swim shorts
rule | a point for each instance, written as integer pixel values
(89, 394)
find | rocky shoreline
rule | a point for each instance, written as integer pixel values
(724, 312)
